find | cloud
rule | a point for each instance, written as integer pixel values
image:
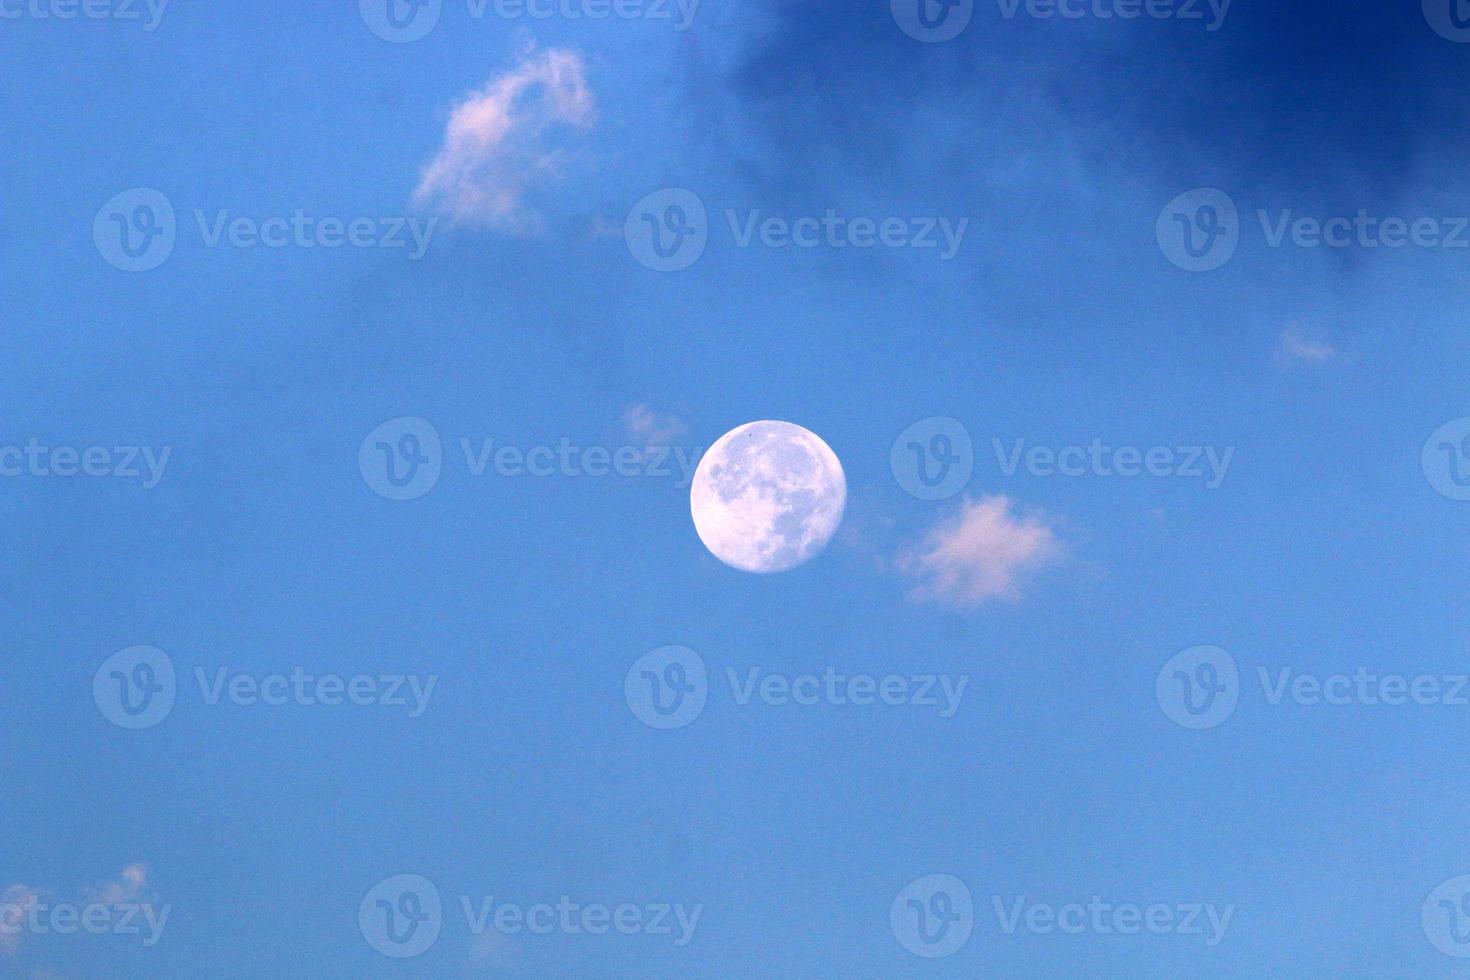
(15, 901)
(1295, 347)
(986, 551)
(1367, 93)
(495, 146)
(126, 889)
(650, 428)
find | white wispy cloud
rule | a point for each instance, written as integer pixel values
(986, 551)
(495, 145)
(652, 428)
(1296, 347)
(126, 889)
(15, 902)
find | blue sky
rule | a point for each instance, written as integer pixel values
(262, 546)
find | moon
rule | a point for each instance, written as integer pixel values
(767, 496)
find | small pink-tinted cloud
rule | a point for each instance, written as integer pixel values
(986, 551)
(126, 889)
(496, 147)
(652, 428)
(15, 902)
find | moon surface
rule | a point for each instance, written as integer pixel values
(767, 496)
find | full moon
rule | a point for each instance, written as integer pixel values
(767, 497)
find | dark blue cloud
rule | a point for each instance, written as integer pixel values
(1295, 94)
